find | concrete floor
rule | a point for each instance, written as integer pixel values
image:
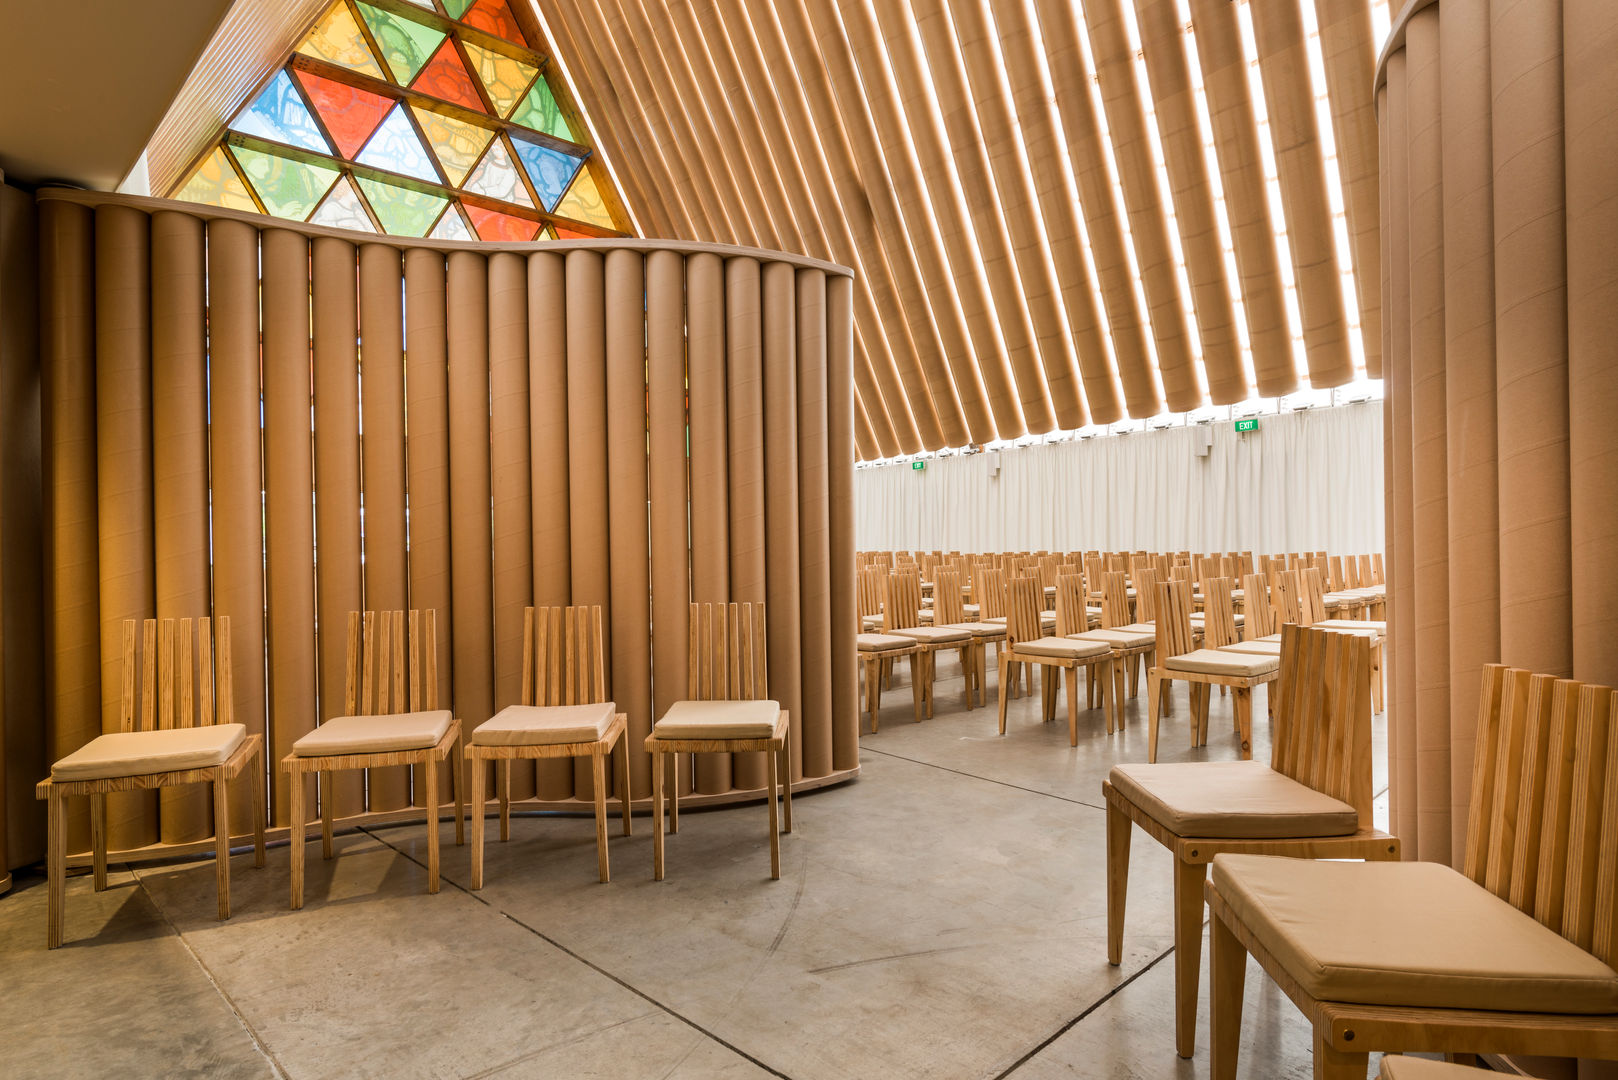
(942, 916)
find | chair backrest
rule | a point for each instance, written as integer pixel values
(1258, 618)
(1314, 594)
(1025, 599)
(729, 657)
(1173, 618)
(1146, 596)
(901, 604)
(1322, 729)
(375, 681)
(947, 605)
(1542, 827)
(1115, 598)
(990, 593)
(1367, 571)
(872, 583)
(1218, 613)
(562, 656)
(1286, 593)
(172, 694)
(1072, 613)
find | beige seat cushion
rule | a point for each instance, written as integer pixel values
(1409, 934)
(1404, 1067)
(1139, 628)
(935, 635)
(1232, 799)
(970, 609)
(1198, 618)
(879, 642)
(136, 753)
(1257, 648)
(1376, 625)
(546, 725)
(1218, 662)
(1119, 639)
(719, 720)
(978, 629)
(374, 734)
(871, 622)
(1066, 648)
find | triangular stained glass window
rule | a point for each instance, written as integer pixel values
(396, 148)
(503, 77)
(279, 114)
(349, 113)
(402, 211)
(457, 142)
(583, 203)
(445, 77)
(493, 225)
(288, 188)
(494, 17)
(336, 39)
(406, 44)
(216, 183)
(456, 8)
(342, 209)
(540, 111)
(550, 170)
(496, 176)
(564, 233)
(451, 227)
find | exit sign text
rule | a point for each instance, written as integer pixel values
(918, 465)
(1248, 424)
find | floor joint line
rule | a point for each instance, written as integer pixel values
(985, 779)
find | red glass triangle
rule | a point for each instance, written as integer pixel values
(493, 225)
(349, 113)
(570, 234)
(445, 77)
(494, 17)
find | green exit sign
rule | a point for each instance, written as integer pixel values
(918, 465)
(1249, 424)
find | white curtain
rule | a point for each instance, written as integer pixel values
(1307, 480)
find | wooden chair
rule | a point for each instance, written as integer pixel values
(565, 713)
(727, 712)
(1026, 645)
(381, 726)
(174, 742)
(1313, 800)
(1178, 659)
(900, 618)
(877, 652)
(1318, 606)
(1129, 641)
(949, 613)
(1513, 956)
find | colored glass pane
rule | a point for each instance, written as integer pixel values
(546, 234)
(550, 170)
(494, 17)
(405, 44)
(396, 148)
(503, 77)
(342, 209)
(216, 183)
(571, 234)
(288, 188)
(583, 203)
(496, 176)
(279, 114)
(456, 142)
(540, 111)
(456, 8)
(428, 4)
(445, 77)
(451, 227)
(401, 211)
(336, 38)
(493, 225)
(349, 113)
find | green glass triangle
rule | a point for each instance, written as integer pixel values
(540, 111)
(457, 8)
(401, 211)
(288, 188)
(405, 45)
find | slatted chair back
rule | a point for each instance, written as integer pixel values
(1322, 728)
(872, 584)
(1072, 607)
(1048, 567)
(947, 605)
(1181, 572)
(728, 658)
(1314, 593)
(901, 604)
(1334, 574)
(563, 660)
(1173, 619)
(1025, 599)
(1367, 571)
(1146, 596)
(178, 686)
(392, 663)
(1115, 598)
(1257, 615)
(1286, 594)
(990, 594)
(1542, 831)
(1218, 614)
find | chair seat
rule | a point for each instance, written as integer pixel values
(1119, 639)
(1256, 648)
(546, 725)
(1139, 628)
(1198, 618)
(870, 623)
(882, 642)
(1232, 800)
(1409, 934)
(138, 753)
(1404, 1067)
(970, 609)
(1217, 662)
(375, 734)
(719, 720)
(977, 629)
(934, 635)
(1066, 648)
(1377, 625)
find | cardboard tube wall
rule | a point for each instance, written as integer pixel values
(666, 481)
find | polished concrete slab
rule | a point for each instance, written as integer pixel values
(943, 916)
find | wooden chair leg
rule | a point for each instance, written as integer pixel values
(1154, 695)
(598, 766)
(1227, 977)
(55, 867)
(1004, 688)
(1242, 703)
(625, 796)
(221, 838)
(773, 766)
(327, 785)
(295, 791)
(1071, 677)
(503, 786)
(1115, 716)
(260, 811)
(918, 685)
(786, 785)
(1118, 837)
(98, 838)
(1109, 697)
(457, 784)
(1334, 1064)
(657, 816)
(479, 782)
(1188, 906)
(968, 667)
(431, 773)
(674, 791)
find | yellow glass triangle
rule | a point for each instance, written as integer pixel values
(583, 203)
(505, 79)
(337, 38)
(216, 183)
(457, 143)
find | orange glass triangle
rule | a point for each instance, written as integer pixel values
(494, 17)
(493, 225)
(349, 113)
(571, 234)
(445, 77)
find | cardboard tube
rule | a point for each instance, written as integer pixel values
(814, 659)
(744, 377)
(670, 528)
(782, 588)
(845, 715)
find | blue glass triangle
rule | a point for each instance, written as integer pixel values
(550, 170)
(279, 114)
(396, 148)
